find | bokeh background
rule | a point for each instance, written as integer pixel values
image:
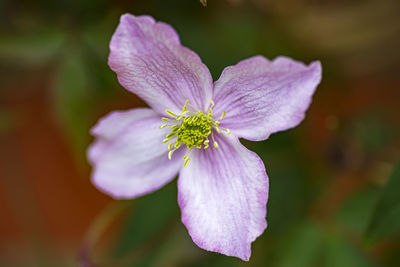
(334, 180)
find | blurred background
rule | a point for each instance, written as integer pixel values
(334, 180)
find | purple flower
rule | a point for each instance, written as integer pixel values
(223, 190)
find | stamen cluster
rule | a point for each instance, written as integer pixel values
(192, 128)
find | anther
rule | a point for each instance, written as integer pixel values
(170, 154)
(186, 163)
(206, 143)
(170, 135)
(177, 145)
(215, 144)
(212, 103)
(170, 146)
(170, 113)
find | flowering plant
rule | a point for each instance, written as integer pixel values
(222, 186)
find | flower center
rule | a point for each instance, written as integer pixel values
(191, 127)
(193, 130)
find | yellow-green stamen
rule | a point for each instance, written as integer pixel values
(191, 128)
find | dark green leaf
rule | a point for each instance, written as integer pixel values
(340, 253)
(357, 211)
(303, 248)
(72, 99)
(149, 224)
(386, 218)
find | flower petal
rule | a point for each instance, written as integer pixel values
(222, 194)
(128, 155)
(151, 62)
(261, 97)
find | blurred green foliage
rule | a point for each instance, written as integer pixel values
(307, 225)
(72, 97)
(357, 211)
(385, 222)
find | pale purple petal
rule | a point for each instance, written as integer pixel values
(151, 62)
(261, 97)
(222, 194)
(128, 156)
